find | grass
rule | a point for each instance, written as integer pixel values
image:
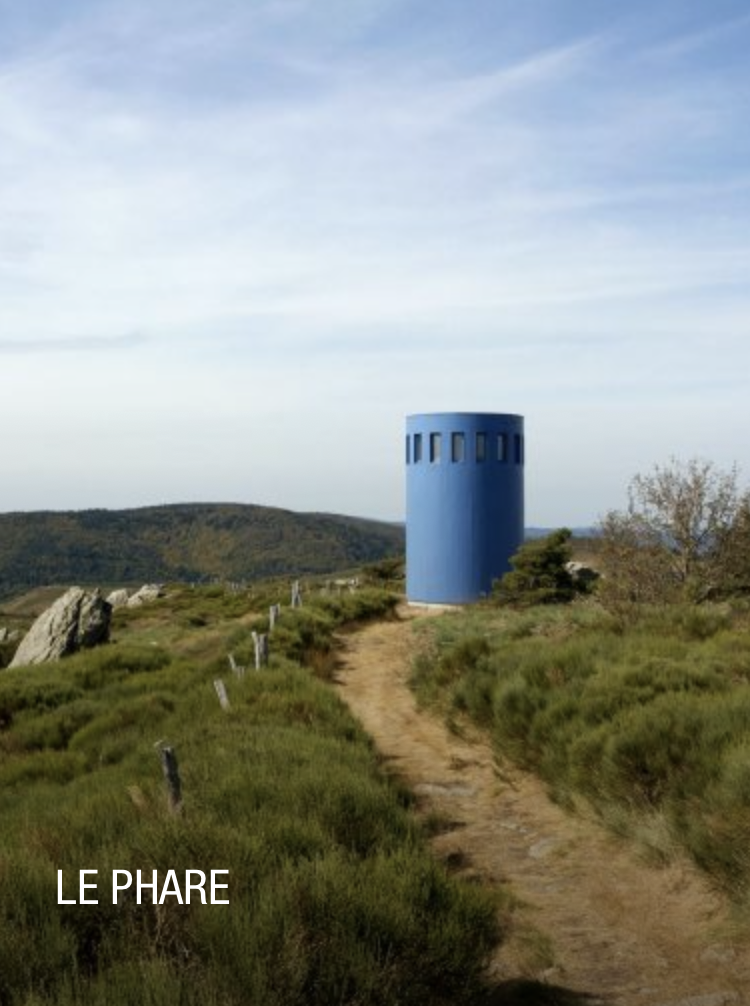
(334, 898)
(648, 725)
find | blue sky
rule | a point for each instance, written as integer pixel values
(241, 239)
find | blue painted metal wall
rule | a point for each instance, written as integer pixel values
(464, 503)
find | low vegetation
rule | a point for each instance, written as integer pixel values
(333, 897)
(647, 724)
(634, 702)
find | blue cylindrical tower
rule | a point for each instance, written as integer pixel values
(464, 503)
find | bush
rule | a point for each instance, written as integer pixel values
(648, 725)
(334, 897)
(540, 574)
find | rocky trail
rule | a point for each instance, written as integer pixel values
(591, 918)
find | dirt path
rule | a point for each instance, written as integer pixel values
(593, 918)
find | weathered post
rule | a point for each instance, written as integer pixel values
(296, 595)
(222, 694)
(273, 614)
(237, 669)
(260, 641)
(171, 776)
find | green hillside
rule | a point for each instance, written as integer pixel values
(192, 541)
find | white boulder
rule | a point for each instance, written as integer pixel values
(78, 619)
(118, 598)
(148, 592)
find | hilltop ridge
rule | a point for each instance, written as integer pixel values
(183, 541)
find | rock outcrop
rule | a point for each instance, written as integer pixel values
(78, 619)
(118, 598)
(148, 592)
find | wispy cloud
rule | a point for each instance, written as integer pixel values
(73, 344)
(687, 43)
(525, 217)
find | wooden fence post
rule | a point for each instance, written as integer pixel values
(222, 694)
(238, 669)
(296, 595)
(273, 614)
(172, 776)
(260, 641)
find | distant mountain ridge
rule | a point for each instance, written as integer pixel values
(591, 531)
(183, 541)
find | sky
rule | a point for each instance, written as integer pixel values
(241, 240)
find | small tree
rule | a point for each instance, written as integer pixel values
(634, 564)
(735, 552)
(679, 538)
(540, 574)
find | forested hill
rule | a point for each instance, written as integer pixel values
(192, 541)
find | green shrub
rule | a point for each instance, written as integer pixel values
(55, 729)
(41, 765)
(334, 897)
(649, 725)
(101, 666)
(36, 690)
(7, 652)
(540, 574)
